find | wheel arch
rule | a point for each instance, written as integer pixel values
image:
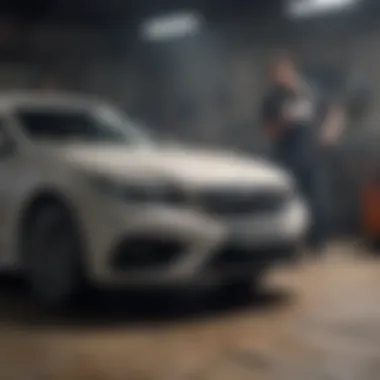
(34, 203)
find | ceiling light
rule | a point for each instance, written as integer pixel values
(170, 26)
(305, 8)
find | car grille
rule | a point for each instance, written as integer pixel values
(142, 252)
(231, 255)
(230, 202)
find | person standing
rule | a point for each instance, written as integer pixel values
(302, 125)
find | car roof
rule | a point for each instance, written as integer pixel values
(11, 100)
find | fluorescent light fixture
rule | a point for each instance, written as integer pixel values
(305, 8)
(170, 26)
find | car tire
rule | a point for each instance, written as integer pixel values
(52, 256)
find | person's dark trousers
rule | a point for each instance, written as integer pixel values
(314, 186)
(312, 180)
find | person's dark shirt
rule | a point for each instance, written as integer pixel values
(297, 116)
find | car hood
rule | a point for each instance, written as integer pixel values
(189, 166)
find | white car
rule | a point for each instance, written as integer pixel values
(85, 195)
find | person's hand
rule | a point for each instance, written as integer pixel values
(333, 127)
(328, 138)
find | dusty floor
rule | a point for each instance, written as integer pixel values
(319, 320)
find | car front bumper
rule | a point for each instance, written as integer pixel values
(207, 250)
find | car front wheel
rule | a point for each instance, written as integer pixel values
(51, 253)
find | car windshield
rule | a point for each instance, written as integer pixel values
(88, 126)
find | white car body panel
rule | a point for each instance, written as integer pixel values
(105, 220)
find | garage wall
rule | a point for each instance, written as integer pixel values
(209, 87)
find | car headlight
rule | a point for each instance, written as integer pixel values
(138, 192)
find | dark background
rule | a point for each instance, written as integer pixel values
(205, 89)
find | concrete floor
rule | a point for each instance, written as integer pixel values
(319, 320)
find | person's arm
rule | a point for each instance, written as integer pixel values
(273, 129)
(333, 125)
